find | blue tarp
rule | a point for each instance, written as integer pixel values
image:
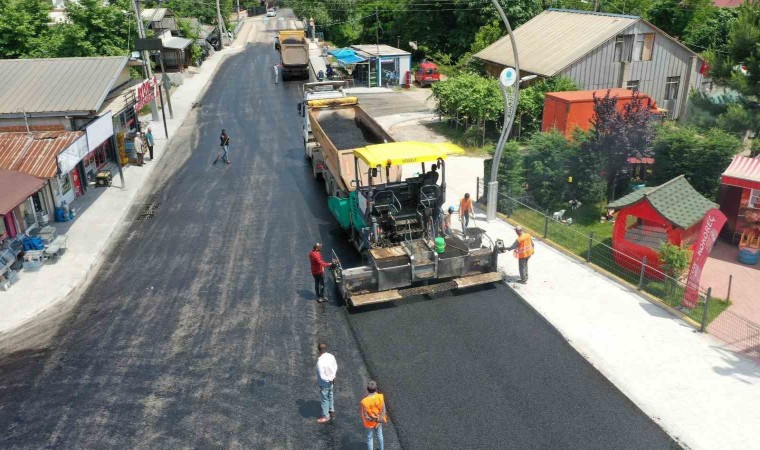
(346, 56)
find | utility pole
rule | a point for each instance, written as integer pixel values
(146, 59)
(377, 44)
(220, 20)
(237, 3)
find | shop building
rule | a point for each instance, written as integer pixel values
(21, 207)
(63, 160)
(382, 65)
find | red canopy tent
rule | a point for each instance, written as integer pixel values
(739, 197)
(671, 212)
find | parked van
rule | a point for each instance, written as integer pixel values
(427, 73)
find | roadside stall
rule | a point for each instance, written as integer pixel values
(739, 200)
(646, 218)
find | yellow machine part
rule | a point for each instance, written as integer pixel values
(330, 102)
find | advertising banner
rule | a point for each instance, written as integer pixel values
(146, 91)
(711, 225)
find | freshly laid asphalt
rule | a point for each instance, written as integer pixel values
(200, 330)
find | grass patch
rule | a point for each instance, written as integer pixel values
(458, 137)
(575, 239)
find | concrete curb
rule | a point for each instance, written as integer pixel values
(37, 331)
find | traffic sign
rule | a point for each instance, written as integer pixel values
(508, 77)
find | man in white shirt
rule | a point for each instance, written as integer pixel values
(327, 367)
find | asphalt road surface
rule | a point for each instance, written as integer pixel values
(200, 330)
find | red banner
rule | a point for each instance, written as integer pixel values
(708, 234)
(146, 91)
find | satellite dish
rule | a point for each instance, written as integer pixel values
(413, 45)
(508, 77)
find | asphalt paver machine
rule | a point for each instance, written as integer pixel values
(396, 224)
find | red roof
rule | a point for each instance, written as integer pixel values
(584, 96)
(728, 3)
(16, 187)
(743, 172)
(35, 153)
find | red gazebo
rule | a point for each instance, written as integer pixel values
(671, 212)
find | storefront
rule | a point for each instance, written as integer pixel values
(385, 66)
(20, 212)
(739, 199)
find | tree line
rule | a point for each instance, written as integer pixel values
(91, 28)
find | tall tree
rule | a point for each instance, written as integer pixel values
(675, 16)
(621, 133)
(20, 22)
(701, 156)
(547, 168)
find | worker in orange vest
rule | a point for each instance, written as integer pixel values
(523, 249)
(465, 210)
(374, 415)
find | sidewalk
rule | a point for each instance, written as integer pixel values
(46, 295)
(700, 393)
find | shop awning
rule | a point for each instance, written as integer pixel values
(743, 172)
(346, 56)
(16, 187)
(176, 43)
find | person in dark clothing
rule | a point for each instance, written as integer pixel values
(431, 177)
(224, 141)
(318, 271)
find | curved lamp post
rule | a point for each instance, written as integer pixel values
(509, 116)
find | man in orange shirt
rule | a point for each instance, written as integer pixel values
(465, 210)
(523, 250)
(373, 415)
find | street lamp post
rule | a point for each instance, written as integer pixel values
(510, 108)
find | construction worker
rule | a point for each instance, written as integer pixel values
(373, 415)
(431, 177)
(523, 249)
(465, 210)
(447, 221)
(318, 271)
(327, 368)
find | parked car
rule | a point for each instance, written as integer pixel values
(427, 73)
(271, 12)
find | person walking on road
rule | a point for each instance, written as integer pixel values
(327, 368)
(373, 415)
(523, 249)
(465, 211)
(224, 141)
(318, 271)
(276, 73)
(149, 141)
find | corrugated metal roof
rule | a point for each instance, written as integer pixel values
(153, 14)
(380, 50)
(554, 39)
(176, 43)
(35, 153)
(16, 187)
(58, 85)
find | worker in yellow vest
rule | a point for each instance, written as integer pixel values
(373, 415)
(523, 249)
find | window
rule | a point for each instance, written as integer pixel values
(632, 85)
(623, 47)
(671, 88)
(642, 49)
(754, 199)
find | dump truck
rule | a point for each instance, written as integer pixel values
(392, 218)
(333, 126)
(294, 54)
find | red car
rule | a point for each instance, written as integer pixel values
(427, 74)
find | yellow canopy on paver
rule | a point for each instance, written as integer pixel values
(398, 153)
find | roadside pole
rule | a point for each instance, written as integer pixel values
(163, 83)
(509, 77)
(144, 53)
(220, 23)
(237, 4)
